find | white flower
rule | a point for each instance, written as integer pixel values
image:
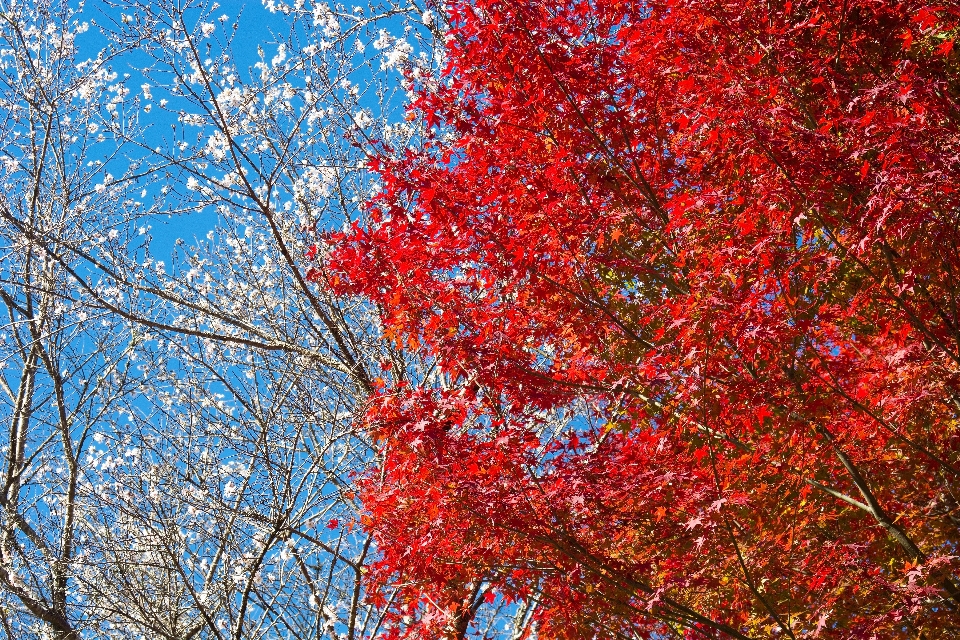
(207, 28)
(315, 182)
(383, 41)
(192, 183)
(87, 90)
(230, 97)
(217, 146)
(398, 55)
(362, 119)
(281, 55)
(194, 119)
(146, 91)
(322, 16)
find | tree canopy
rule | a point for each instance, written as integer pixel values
(688, 275)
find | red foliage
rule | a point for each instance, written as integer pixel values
(723, 237)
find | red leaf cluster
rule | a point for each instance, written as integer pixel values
(691, 270)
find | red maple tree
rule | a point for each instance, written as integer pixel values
(690, 271)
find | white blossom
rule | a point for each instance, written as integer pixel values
(217, 145)
(281, 55)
